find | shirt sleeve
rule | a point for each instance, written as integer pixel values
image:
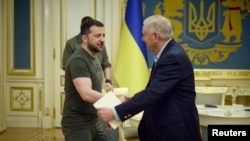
(115, 114)
(105, 60)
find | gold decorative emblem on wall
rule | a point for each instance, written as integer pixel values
(218, 53)
(21, 98)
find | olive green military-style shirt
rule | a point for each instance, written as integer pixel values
(77, 112)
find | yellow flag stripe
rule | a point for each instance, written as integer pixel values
(131, 69)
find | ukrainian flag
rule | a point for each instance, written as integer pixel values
(131, 69)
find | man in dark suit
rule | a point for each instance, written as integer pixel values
(168, 101)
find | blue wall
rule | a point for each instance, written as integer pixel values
(22, 35)
(219, 36)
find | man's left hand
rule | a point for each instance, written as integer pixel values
(105, 114)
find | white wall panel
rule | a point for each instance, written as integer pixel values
(55, 22)
(22, 104)
(2, 44)
(76, 9)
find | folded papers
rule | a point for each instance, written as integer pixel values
(109, 100)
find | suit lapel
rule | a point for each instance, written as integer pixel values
(152, 70)
(170, 44)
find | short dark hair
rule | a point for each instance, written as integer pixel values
(85, 28)
(85, 19)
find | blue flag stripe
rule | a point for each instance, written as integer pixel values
(134, 20)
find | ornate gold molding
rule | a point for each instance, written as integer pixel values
(209, 74)
(62, 80)
(218, 53)
(62, 98)
(21, 98)
(10, 41)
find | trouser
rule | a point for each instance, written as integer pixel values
(112, 135)
(95, 133)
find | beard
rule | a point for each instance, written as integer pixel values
(93, 48)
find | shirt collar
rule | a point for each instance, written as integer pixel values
(158, 55)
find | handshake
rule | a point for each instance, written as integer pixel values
(105, 108)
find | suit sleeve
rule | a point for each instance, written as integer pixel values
(163, 79)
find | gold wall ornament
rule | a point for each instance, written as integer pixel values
(21, 99)
(40, 99)
(62, 80)
(47, 111)
(209, 74)
(62, 99)
(218, 53)
(233, 16)
(172, 9)
(201, 26)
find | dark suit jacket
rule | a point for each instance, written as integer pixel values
(168, 100)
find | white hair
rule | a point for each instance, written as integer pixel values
(160, 24)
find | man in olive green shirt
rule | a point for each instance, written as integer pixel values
(83, 87)
(74, 48)
(75, 43)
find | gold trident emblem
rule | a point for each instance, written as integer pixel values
(202, 26)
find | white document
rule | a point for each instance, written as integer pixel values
(216, 111)
(237, 110)
(109, 100)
